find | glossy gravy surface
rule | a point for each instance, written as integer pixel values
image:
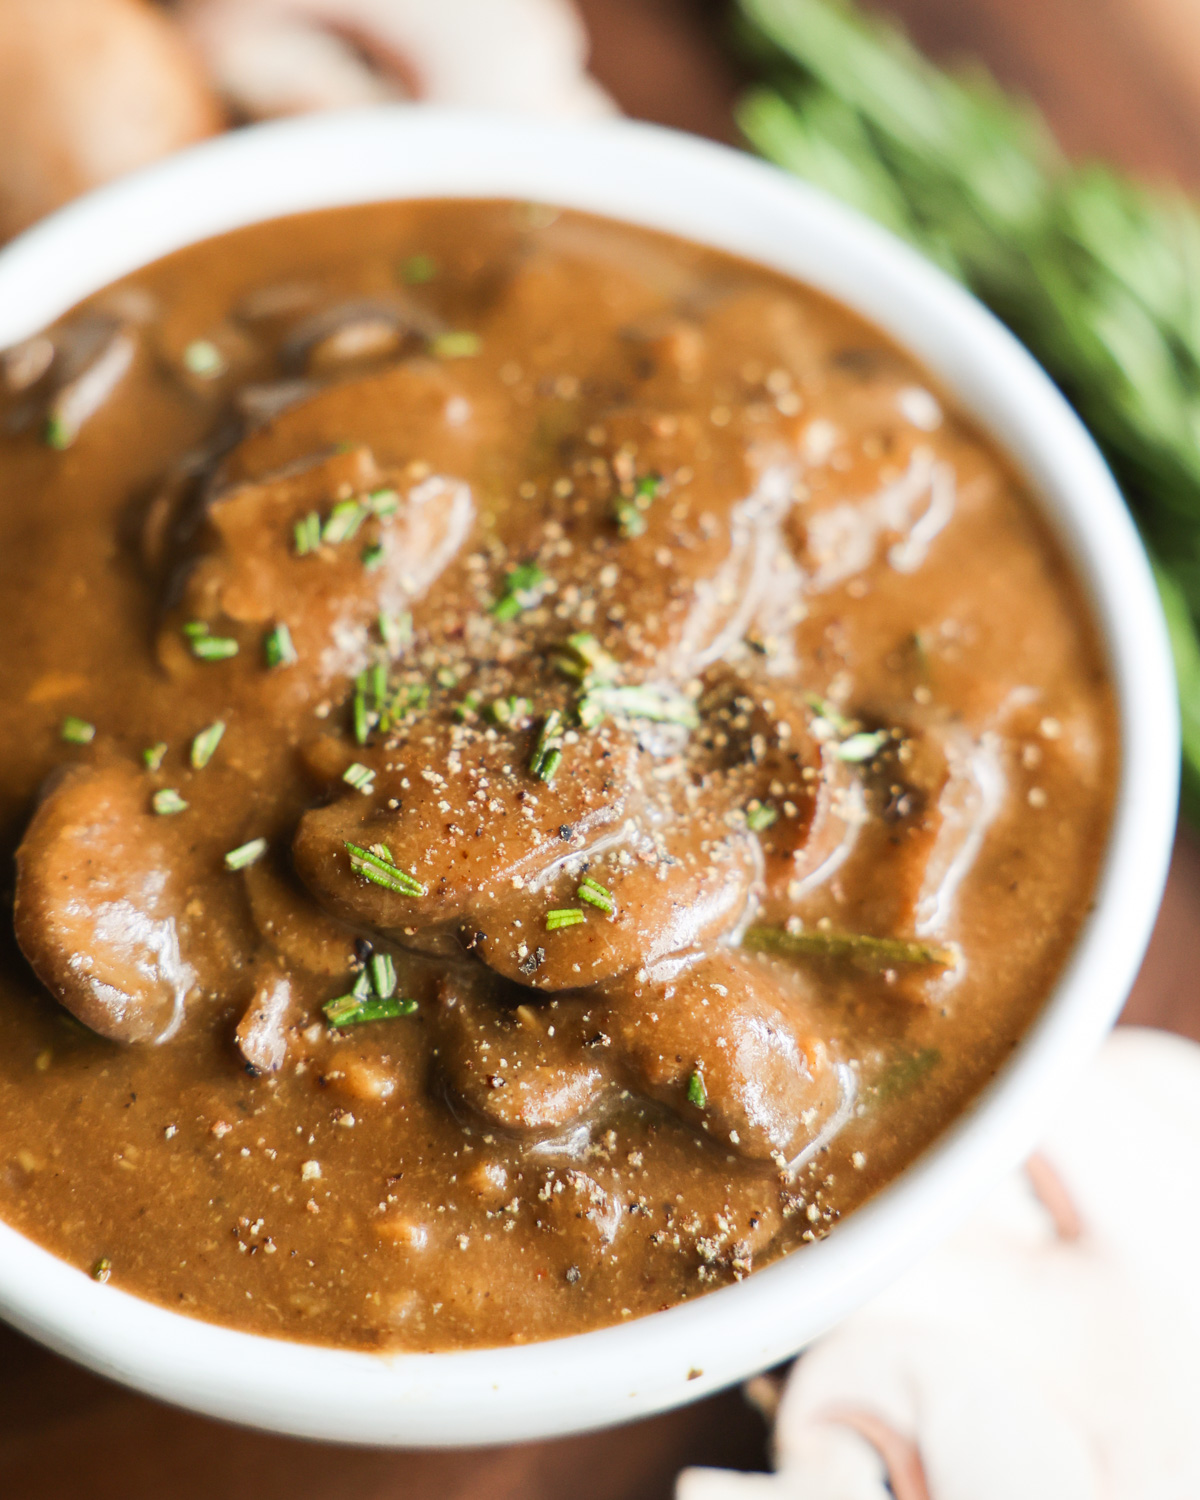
(544, 765)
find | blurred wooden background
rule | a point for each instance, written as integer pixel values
(1120, 78)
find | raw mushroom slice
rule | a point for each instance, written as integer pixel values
(283, 57)
(99, 887)
(90, 89)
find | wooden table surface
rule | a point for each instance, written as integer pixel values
(1116, 77)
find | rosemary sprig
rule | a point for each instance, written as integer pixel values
(857, 947)
(377, 865)
(659, 705)
(77, 731)
(523, 587)
(547, 752)
(1095, 272)
(597, 895)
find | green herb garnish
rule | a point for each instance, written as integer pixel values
(203, 359)
(77, 731)
(395, 631)
(377, 865)
(858, 947)
(659, 705)
(547, 753)
(903, 1074)
(349, 1010)
(167, 801)
(458, 344)
(523, 587)
(306, 534)
(630, 512)
(344, 520)
(383, 975)
(360, 777)
(204, 746)
(58, 433)
(211, 647)
(383, 503)
(859, 748)
(697, 1094)
(416, 270)
(585, 659)
(566, 916)
(372, 556)
(154, 755)
(278, 647)
(469, 707)
(245, 854)
(597, 895)
(508, 713)
(102, 1270)
(759, 817)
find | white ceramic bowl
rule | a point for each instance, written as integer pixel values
(716, 196)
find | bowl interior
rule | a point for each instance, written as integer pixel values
(721, 198)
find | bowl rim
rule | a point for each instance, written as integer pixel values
(698, 190)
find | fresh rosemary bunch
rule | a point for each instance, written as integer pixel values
(1097, 274)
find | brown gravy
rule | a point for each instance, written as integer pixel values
(545, 764)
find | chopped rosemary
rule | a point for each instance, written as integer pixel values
(823, 709)
(167, 801)
(858, 947)
(630, 521)
(279, 648)
(697, 1094)
(77, 731)
(349, 1010)
(213, 647)
(194, 628)
(509, 713)
(660, 705)
(523, 587)
(306, 534)
(57, 433)
(469, 707)
(859, 748)
(363, 717)
(597, 895)
(565, 916)
(344, 520)
(630, 513)
(584, 658)
(409, 697)
(360, 777)
(759, 817)
(245, 854)
(395, 631)
(102, 1270)
(547, 753)
(381, 869)
(383, 975)
(416, 270)
(457, 344)
(203, 359)
(382, 503)
(372, 556)
(154, 755)
(204, 746)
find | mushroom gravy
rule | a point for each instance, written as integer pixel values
(545, 764)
